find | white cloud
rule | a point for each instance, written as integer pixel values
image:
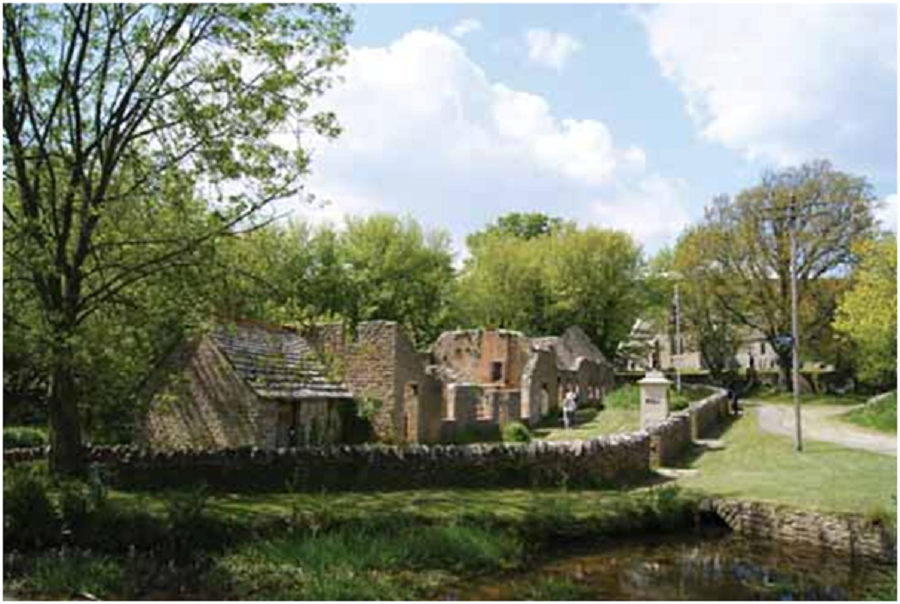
(786, 83)
(551, 49)
(466, 26)
(887, 213)
(654, 210)
(427, 132)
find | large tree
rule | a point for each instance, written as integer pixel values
(107, 107)
(397, 271)
(703, 316)
(542, 282)
(867, 314)
(746, 249)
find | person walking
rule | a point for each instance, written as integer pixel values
(570, 405)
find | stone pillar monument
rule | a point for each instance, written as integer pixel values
(654, 398)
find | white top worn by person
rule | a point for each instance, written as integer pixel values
(570, 405)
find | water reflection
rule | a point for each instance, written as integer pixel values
(708, 566)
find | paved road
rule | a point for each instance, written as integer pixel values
(821, 423)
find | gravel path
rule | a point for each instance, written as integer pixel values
(821, 423)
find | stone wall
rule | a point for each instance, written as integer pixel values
(600, 462)
(852, 534)
(708, 413)
(364, 361)
(378, 362)
(540, 386)
(670, 439)
(470, 354)
(200, 402)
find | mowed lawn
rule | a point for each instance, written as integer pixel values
(760, 466)
(592, 422)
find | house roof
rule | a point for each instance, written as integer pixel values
(573, 345)
(276, 362)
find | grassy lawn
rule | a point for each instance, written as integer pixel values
(591, 422)
(621, 414)
(505, 505)
(881, 416)
(760, 466)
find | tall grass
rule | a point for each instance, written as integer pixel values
(364, 561)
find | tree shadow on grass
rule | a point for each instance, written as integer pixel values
(697, 449)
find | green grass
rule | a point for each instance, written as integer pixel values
(591, 423)
(430, 506)
(755, 465)
(621, 414)
(66, 576)
(345, 546)
(881, 416)
(365, 562)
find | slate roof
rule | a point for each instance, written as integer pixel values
(276, 363)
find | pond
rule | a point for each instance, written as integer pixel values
(708, 565)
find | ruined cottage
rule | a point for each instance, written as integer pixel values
(270, 386)
(246, 384)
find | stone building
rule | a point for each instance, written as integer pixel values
(245, 384)
(270, 386)
(649, 347)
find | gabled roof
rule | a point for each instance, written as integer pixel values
(573, 345)
(276, 362)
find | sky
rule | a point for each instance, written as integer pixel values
(621, 116)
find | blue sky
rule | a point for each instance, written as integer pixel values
(614, 115)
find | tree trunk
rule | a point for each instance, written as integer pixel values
(65, 426)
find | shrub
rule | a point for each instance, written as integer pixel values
(516, 432)
(117, 529)
(67, 575)
(627, 396)
(30, 518)
(76, 508)
(24, 437)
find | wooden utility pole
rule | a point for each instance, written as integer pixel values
(795, 331)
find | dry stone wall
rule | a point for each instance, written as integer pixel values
(708, 413)
(851, 534)
(599, 462)
(670, 439)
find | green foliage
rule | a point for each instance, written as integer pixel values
(16, 437)
(707, 324)
(398, 271)
(362, 560)
(543, 283)
(367, 408)
(867, 314)
(516, 432)
(30, 515)
(627, 396)
(67, 575)
(111, 194)
(76, 506)
(881, 415)
(185, 508)
(525, 225)
(744, 242)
